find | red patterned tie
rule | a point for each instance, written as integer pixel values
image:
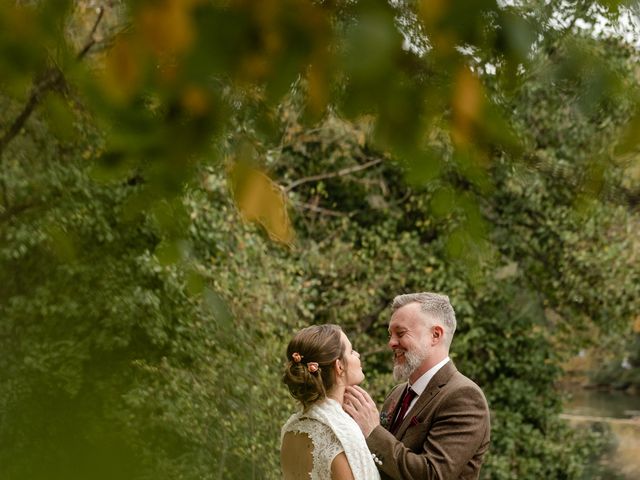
(406, 401)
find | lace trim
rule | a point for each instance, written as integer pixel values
(344, 434)
(326, 446)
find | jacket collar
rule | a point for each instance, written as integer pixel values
(439, 380)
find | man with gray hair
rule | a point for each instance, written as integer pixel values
(434, 425)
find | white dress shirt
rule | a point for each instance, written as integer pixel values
(420, 385)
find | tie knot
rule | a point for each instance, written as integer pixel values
(407, 398)
(409, 395)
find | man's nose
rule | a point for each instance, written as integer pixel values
(393, 342)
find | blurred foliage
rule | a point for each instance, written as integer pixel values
(621, 371)
(185, 183)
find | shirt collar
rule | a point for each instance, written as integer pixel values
(421, 384)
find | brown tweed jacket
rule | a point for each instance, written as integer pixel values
(445, 435)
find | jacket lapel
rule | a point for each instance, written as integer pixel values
(438, 381)
(391, 405)
(394, 403)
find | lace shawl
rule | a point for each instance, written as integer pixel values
(344, 435)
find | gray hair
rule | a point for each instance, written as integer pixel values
(433, 304)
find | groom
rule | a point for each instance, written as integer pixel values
(436, 425)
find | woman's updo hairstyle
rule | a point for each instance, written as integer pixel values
(311, 356)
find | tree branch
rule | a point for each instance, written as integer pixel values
(92, 36)
(12, 212)
(323, 211)
(50, 80)
(339, 173)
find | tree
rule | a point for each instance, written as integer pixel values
(143, 320)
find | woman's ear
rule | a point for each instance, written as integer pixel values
(339, 367)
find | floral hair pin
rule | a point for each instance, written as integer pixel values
(312, 366)
(296, 357)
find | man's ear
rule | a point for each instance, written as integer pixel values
(437, 333)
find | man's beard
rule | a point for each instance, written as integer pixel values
(412, 360)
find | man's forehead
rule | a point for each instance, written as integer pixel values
(406, 316)
(401, 323)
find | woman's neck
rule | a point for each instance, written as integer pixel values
(337, 393)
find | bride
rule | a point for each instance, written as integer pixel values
(322, 442)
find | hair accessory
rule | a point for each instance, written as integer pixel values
(296, 357)
(312, 366)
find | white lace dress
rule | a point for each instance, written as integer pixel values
(332, 431)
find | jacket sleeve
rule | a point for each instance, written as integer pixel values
(455, 435)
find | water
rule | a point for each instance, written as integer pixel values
(602, 404)
(616, 411)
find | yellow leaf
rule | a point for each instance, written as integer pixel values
(122, 74)
(467, 104)
(431, 11)
(261, 200)
(255, 67)
(440, 36)
(318, 88)
(166, 25)
(195, 100)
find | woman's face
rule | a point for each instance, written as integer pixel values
(352, 367)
